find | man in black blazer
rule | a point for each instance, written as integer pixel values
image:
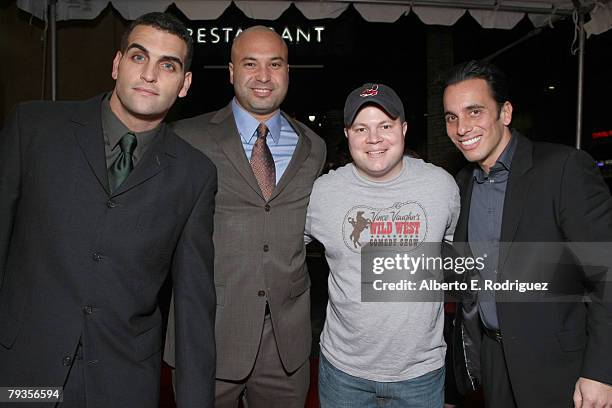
(538, 353)
(98, 202)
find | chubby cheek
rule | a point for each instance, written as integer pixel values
(244, 79)
(394, 141)
(281, 78)
(355, 146)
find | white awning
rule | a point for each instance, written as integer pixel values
(503, 14)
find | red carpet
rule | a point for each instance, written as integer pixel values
(167, 396)
(166, 399)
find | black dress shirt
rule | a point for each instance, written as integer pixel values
(114, 130)
(484, 226)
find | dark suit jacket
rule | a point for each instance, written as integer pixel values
(555, 194)
(260, 246)
(80, 263)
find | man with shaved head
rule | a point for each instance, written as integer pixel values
(267, 165)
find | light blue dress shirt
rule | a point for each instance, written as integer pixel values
(282, 139)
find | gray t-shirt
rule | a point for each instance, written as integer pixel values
(379, 341)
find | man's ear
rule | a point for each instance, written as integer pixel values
(231, 72)
(404, 128)
(116, 61)
(506, 113)
(186, 84)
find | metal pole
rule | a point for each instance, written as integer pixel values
(53, 31)
(527, 36)
(581, 43)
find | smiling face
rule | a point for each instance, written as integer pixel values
(376, 143)
(259, 71)
(475, 123)
(149, 76)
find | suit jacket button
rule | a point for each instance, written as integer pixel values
(261, 293)
(111, 204)
(266, 248)
(96, 257)
(67, 361)
(87, 310)
(267, 208)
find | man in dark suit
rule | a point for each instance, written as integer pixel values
(541, 353)
(98, 202)
(267, 164)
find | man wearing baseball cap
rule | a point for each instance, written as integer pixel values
(375, 352)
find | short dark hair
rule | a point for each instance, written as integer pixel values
(164, 22)
(494, 77)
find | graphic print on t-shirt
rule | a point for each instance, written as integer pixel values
(402, 224)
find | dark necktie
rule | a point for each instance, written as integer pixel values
(124, 163)
(262, 163)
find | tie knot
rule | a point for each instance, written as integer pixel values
(262, 130)
(128, 143)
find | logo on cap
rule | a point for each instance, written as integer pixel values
(373, 91)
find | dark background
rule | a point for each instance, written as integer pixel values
(407, 55)
(352, 52)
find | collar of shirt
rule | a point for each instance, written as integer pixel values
(247, 124)
(114, 129)
(501, 166)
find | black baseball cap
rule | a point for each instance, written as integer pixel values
(377, 94)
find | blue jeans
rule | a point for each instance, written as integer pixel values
(340, 390)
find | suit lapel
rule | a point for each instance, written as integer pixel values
(156, 159)
(228, 139)
(465, 182)
(519, 182)
(460, 237)
(302, 151)
(89, 136)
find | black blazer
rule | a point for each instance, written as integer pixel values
(78, 263)
(555, 194)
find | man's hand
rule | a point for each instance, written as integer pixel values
(592, 394)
